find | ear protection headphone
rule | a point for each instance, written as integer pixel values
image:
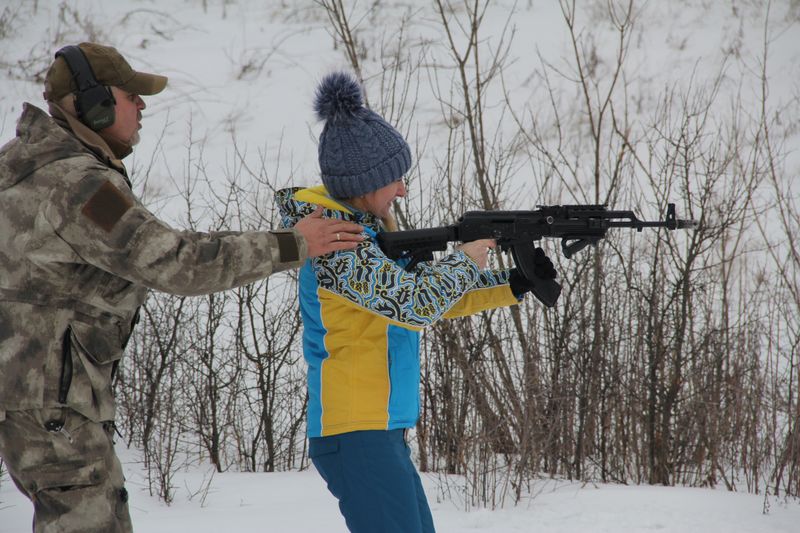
(94, 102)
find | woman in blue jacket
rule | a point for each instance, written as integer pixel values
(362, 314)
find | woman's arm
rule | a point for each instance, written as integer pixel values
(369, 279)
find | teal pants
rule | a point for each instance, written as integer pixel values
(372, 476)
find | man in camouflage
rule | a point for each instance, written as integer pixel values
(78, 252)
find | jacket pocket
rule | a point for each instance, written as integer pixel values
(66, 476)
(66, 366)
(100, 343)
(94, 350)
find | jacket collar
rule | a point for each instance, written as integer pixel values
(91, 139)
(319, 195)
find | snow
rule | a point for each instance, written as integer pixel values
(299, 502)
(245, 70)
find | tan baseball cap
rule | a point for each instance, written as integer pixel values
(109, 68)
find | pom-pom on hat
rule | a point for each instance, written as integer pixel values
(359, 152)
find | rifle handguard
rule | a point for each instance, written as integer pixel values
(570, 247)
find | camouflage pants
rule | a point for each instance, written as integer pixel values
(66, 465)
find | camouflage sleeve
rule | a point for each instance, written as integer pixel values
(369, 279)
(101, 220)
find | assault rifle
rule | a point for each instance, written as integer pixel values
(576, 225)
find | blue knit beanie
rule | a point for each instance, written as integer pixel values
(359, 152)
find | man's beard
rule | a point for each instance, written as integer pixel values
(134, 140)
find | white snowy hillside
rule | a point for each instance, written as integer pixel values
(659, 394)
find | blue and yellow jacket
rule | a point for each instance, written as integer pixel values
(362, 314)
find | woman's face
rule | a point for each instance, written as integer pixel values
(379, 202)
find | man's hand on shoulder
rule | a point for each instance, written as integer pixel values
(326, 235)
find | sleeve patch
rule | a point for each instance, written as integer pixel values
(107, 206)
(287, 247)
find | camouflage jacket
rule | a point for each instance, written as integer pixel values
(78, 252)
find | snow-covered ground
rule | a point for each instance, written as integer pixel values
(298, 502)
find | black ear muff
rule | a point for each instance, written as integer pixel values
(94, 102)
